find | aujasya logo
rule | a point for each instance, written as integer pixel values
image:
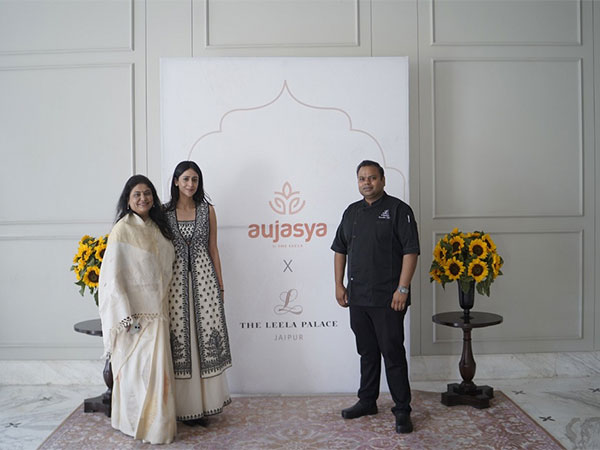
(287, 202)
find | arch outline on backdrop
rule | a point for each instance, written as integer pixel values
(286, 89)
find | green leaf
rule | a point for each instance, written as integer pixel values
(480, 288)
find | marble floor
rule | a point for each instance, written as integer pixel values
(569, 408)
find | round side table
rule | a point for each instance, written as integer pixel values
(102, 403)
(467, 392)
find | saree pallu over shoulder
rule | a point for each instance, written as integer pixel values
(136, 272)
(134, 281)
(194, 284)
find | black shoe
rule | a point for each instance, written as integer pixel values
(202, 421)
(359, 410)
(403, 423)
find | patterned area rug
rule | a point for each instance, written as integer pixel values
(315, 423)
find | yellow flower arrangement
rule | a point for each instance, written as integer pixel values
(466, 258)
(87, 262)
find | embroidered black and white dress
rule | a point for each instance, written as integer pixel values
(199, 338)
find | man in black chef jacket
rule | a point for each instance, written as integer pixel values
(378, 239)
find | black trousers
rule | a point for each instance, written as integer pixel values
(380, 332)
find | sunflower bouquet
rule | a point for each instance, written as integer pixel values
(466, 258)
(87, 262)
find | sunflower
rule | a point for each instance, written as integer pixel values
(83, 249)
(435, 275)
(84, 239)
(465, 258)
(478, 248)
(496, 264)
(100, 249)
(454, 268)
(439, 254)
(478, 270)
(457, 243)
(488, 241)
(92, 276)
(86, 254)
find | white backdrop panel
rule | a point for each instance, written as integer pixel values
(278, 141)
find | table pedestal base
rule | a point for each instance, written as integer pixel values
(102, 403)
(479, 397)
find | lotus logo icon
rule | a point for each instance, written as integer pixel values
(287, 201)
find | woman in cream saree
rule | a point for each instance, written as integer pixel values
(134, 282)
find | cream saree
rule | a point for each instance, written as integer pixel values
(134, 283)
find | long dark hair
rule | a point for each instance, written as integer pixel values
(156, 212)
(199, 197)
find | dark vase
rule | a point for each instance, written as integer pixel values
(466, 300)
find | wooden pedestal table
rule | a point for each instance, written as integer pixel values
(102, 403)
(467, 392)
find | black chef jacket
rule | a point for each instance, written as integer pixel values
(375, 238)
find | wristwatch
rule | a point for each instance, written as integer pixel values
(403, 289)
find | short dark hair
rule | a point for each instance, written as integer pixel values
(368, 162)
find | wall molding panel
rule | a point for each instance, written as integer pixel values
(538, 126)
(504, 23)
(47, 27)
(102, 139)
(284, 24)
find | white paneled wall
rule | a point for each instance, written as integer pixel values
(72, 130)
(507, 144)
(502, 138)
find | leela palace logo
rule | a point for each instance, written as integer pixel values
(288, 297)
(287, 202)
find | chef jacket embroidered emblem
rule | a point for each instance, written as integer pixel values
(385, 214)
